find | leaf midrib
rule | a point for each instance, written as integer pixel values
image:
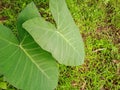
(67, 41)
(26, 54)
(30, 57)
(64, 38)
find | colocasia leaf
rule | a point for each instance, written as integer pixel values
(25, 64)
(64, 42)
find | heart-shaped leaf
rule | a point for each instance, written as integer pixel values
(24, 64)
(64, 41)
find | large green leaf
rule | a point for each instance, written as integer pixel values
(64, 41)
(24, 64)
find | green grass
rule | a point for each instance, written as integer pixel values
(99, 23)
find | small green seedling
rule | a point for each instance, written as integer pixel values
(28, 61)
